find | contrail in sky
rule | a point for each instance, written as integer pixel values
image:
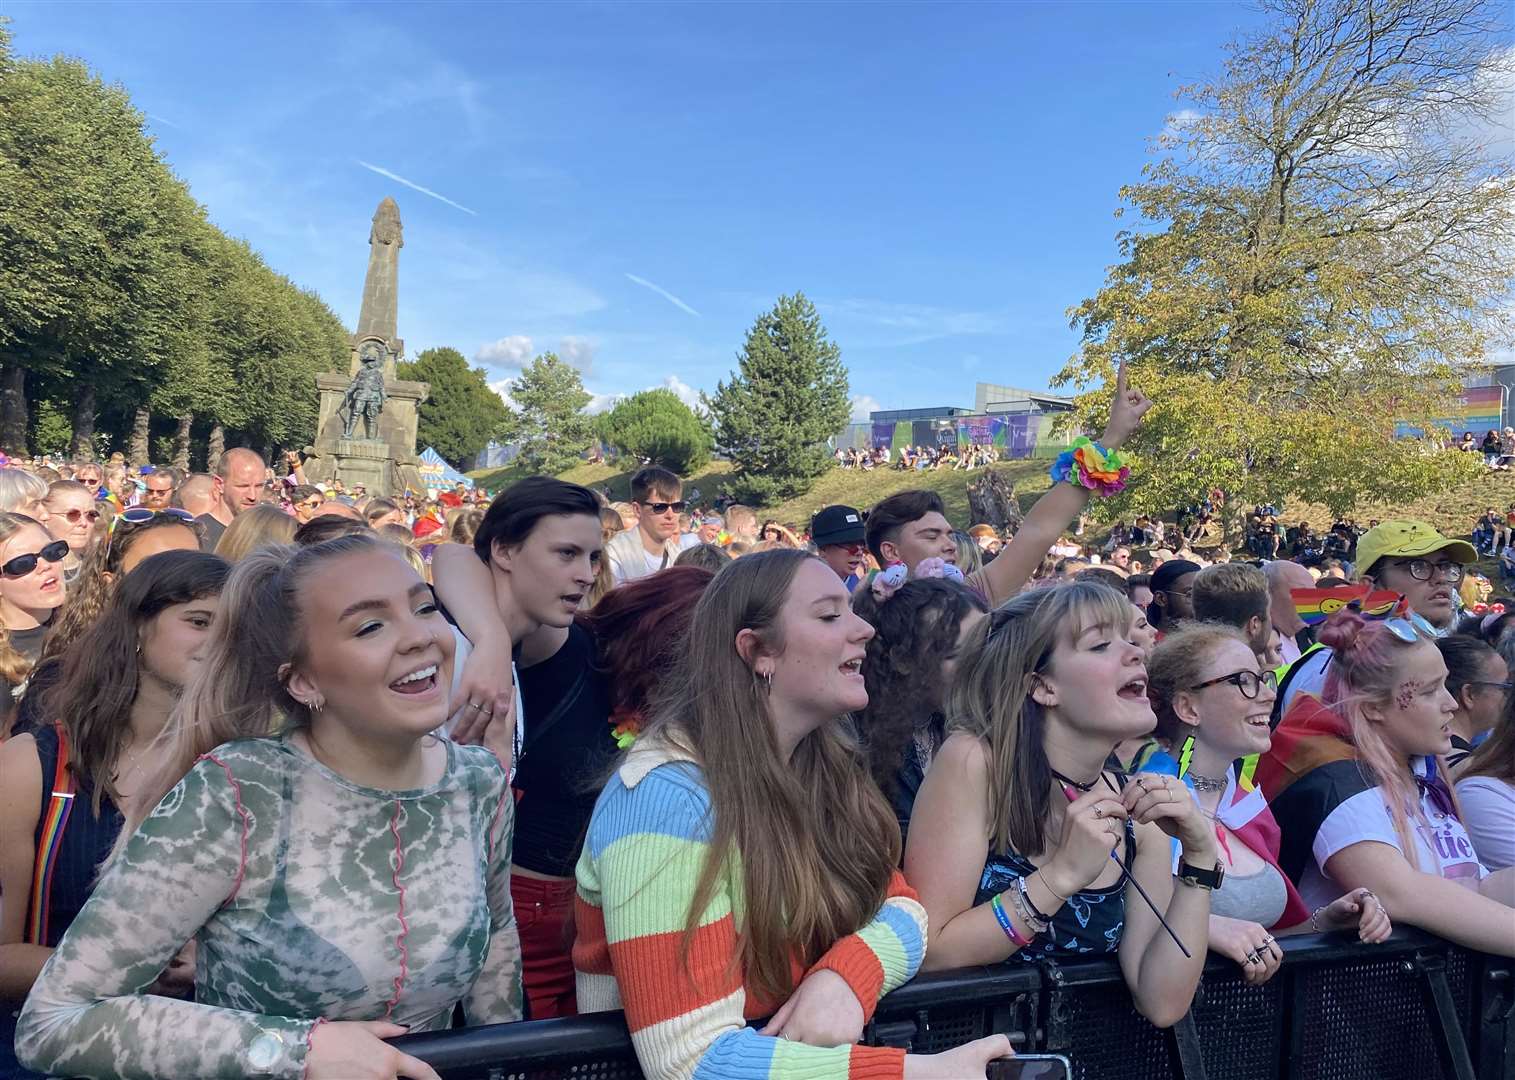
(664, 293)
(414, 186)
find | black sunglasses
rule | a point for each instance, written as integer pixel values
(663, 508)
(22, 565)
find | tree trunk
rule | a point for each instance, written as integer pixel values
(181, 442)
(137, 450)
(13, 409)
(84, 425)
(215, 447)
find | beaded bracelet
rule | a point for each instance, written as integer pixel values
(1017, 897)
(1088, 464)
(1019, 940)
(1035, 911)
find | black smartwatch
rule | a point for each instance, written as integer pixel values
(1204, 879)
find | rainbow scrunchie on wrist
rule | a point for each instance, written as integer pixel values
(1088, 464)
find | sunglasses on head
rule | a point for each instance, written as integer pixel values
(664, 507)
(141, 515)
(22, 565)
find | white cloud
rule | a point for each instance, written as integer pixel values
(683, 391)
(506, 352)
(397, 178)
(599, 403)
(502, 387)
(862, 405)
(1177, 125)
(577, 352)
(664, 293)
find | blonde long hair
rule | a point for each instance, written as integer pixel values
(14, 667)
(991, 700)
(256, 527)
(239, 692)
(813, 839)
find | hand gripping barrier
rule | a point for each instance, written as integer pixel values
(1413, 1008)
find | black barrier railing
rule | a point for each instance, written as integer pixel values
(1413, 1008)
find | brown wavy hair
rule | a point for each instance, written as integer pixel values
(813, 839)
(92, 697)
(915, 632)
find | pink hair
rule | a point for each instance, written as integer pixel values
(1364, 670)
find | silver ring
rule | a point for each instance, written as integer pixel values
(1099, 811)
(474, 705)
(1253, 958)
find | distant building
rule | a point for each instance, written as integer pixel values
(895, 416)
(989, 398)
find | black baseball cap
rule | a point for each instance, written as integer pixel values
(837, 525)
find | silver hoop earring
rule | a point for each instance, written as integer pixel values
(767, 684)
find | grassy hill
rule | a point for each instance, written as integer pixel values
(1452, 511)
(849, 487)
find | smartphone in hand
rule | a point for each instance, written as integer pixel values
(1031, 1067)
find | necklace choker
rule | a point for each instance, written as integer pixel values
(1085, 788)
(1206, 783)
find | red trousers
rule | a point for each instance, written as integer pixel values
(544, 917)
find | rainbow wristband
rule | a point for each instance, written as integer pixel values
(1088, 464)
(1019, 940)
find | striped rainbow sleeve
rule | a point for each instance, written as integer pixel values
(884, 954)
(641, 862)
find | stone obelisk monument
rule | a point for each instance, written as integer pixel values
(363, 436)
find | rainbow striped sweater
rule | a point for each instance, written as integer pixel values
(647, 843)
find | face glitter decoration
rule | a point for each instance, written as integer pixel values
(1405, 697)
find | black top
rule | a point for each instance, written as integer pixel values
(211, 536)
(29, 644)
(85, 843)
(565, 758)
(29, 713)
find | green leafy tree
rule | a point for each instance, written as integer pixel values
(656, 427)
(554, 431)
(787, 398)
(1324, 250)
(462, 414)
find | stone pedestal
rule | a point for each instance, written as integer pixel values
(386, 465)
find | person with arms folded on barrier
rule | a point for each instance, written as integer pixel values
(1358, 783)
(1024, 844)
(67, 781)
(343, 872)
(1212, 703)
(741, 863)
(514, 597)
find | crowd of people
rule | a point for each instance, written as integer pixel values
(289, 770)
(918, 458)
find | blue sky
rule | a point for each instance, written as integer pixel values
(632, 184)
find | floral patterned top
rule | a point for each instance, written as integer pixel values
(311, 898)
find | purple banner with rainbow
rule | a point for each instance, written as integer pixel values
(1479, 410)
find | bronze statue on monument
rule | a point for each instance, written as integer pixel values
(384, 459)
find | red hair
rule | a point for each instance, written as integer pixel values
(640, 628)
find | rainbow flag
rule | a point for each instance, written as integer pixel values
(1315, 606)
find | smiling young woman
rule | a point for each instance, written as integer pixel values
(301, 852)
(1213, 706)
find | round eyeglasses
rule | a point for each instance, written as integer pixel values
(1250, 683)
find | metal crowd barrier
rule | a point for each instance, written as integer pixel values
(1412, 1008)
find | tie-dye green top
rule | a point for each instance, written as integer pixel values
(311, 898)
